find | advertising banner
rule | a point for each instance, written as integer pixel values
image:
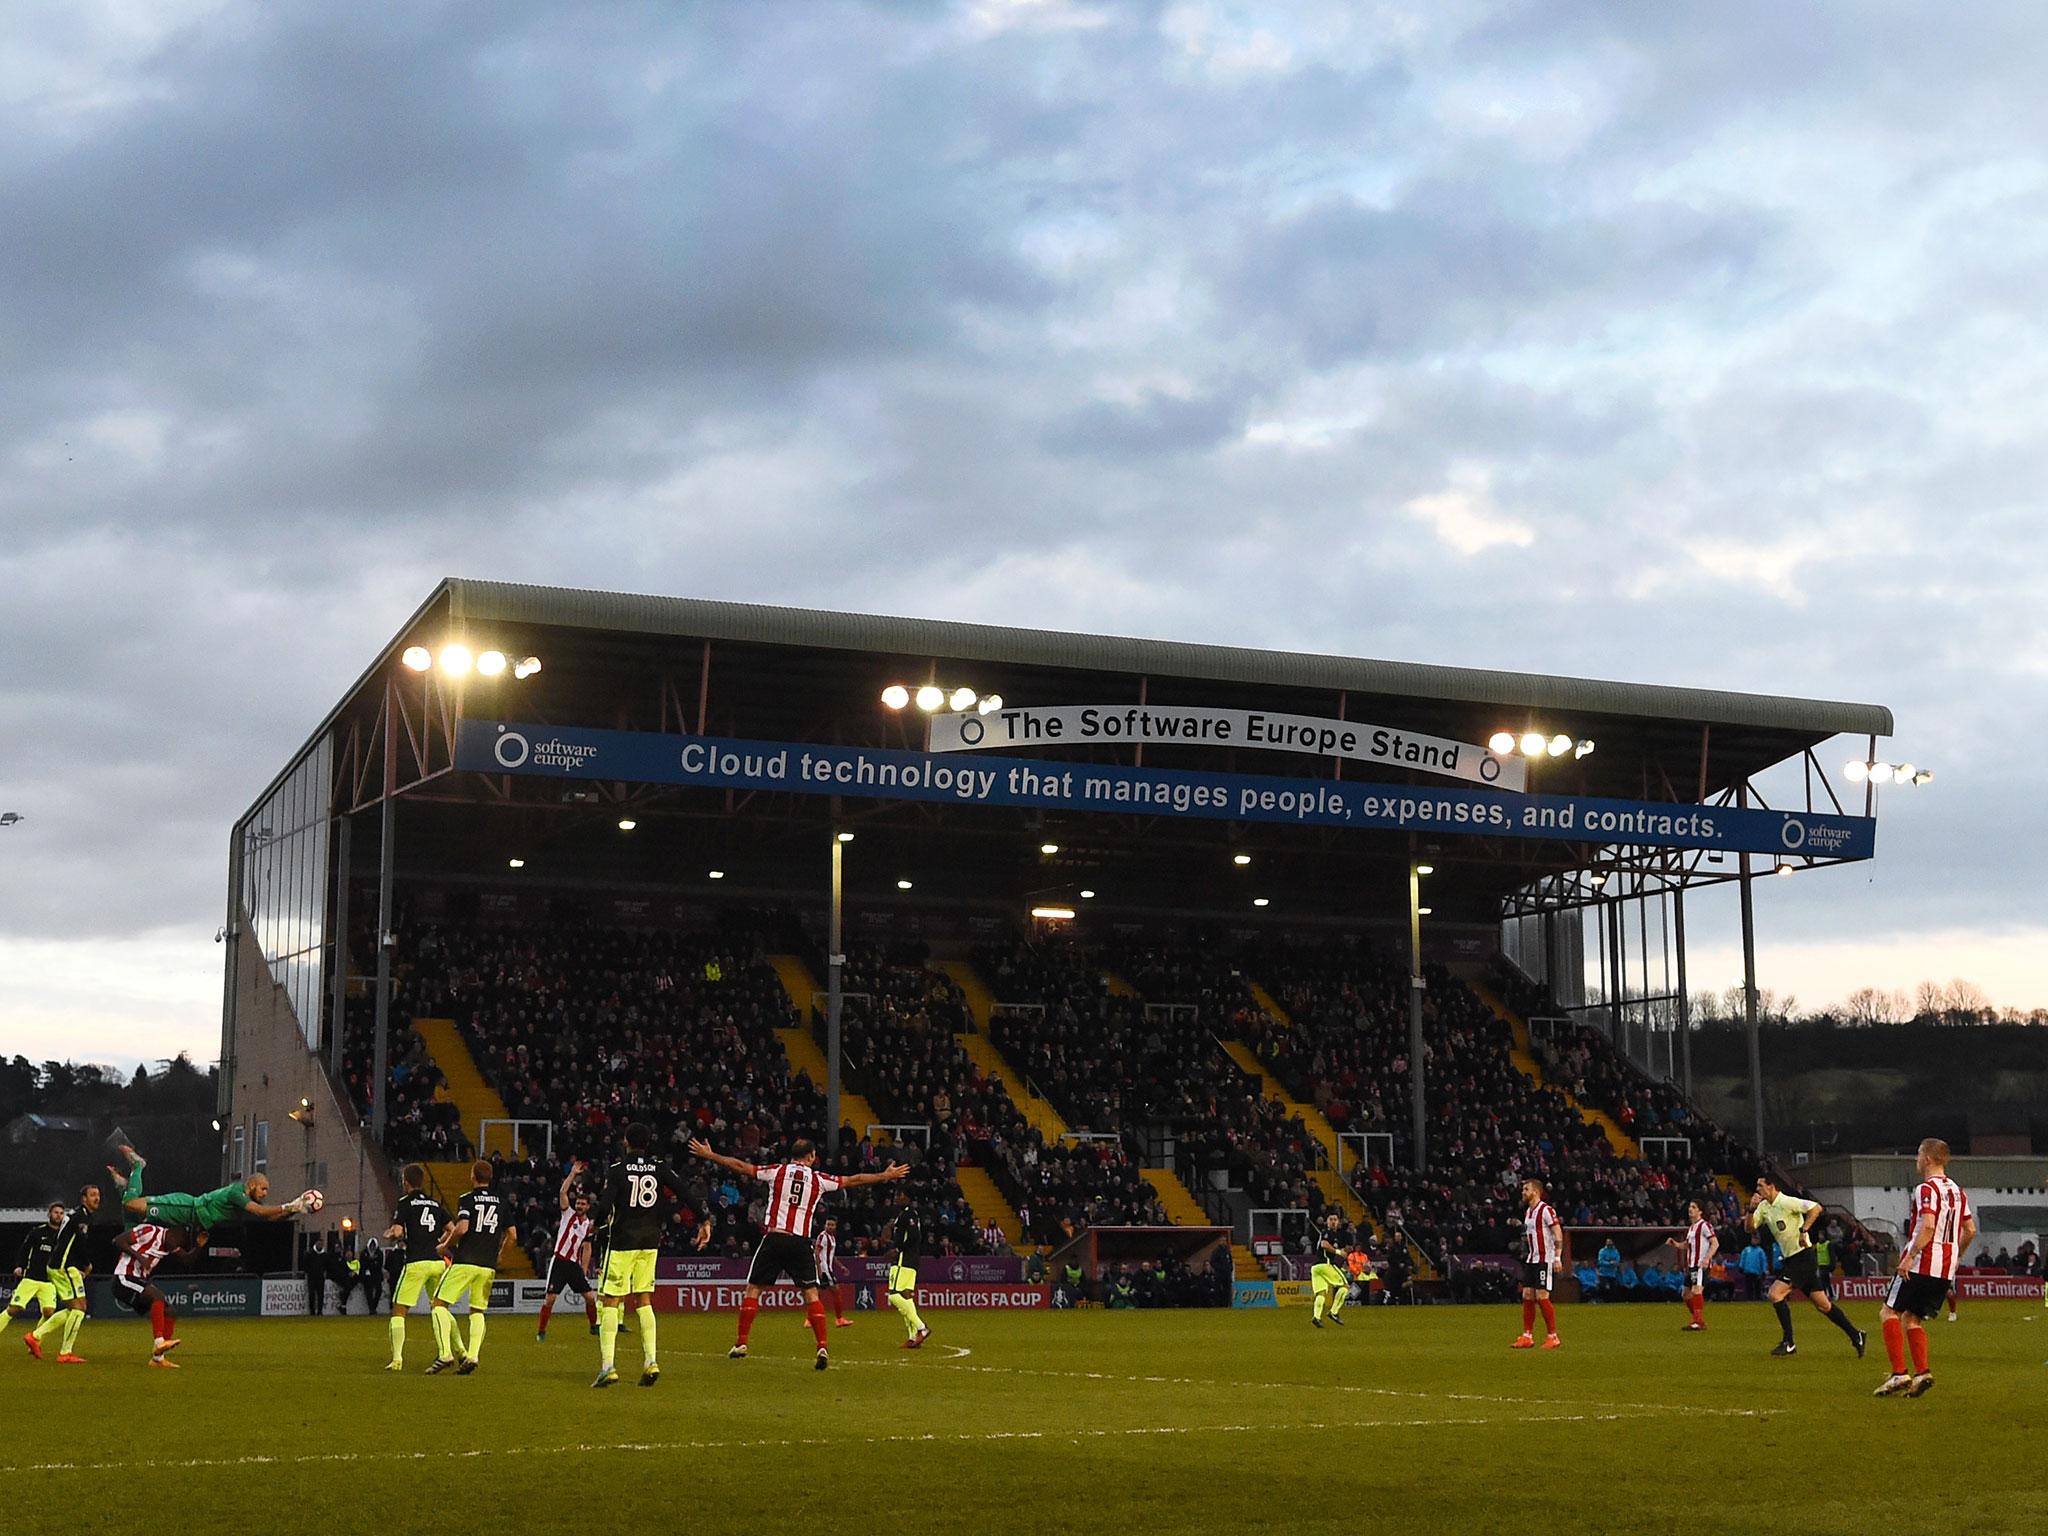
(1968, 1287)
(724, 1296)
(877, 773)
(284, 1296)
(1252, 1293)
(188, 1295)
(1169, 725)
(979, 1269)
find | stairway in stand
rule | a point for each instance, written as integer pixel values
(988, 1204)
(801, 1050)
(476, 1101)
(1525, 1063)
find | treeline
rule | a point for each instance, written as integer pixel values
(167, 1112)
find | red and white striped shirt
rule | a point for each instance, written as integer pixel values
(1699, 1239)
(570, 1236)
(151, 1243)
(794, 1190)
(827, 1250)
(1940, 1201)
(1538, 1223)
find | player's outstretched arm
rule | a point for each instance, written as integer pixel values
(732, 1164)
(888, 1175)
(576, 1167)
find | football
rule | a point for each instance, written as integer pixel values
(313, 1200)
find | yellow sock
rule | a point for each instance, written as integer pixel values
(1337, 1295)
(905, 1309)
(444, 1334)
(73, 1321)
(51, 1324)
(7, 1320)
(476, 1334)
(644, 1316)
(609, 1315)
(398, 1338)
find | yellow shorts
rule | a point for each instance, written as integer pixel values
(41, 1292)
(1328, 1274)
(68, 1284)
(629, 1272)
(473, 1279)
(415, 1278)
(903, 1279)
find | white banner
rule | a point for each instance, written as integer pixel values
(284, 1296)
(1123, 725)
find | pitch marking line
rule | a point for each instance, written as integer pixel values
(652, 1447)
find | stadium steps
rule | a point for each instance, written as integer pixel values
(990, 1062)
(1184, 1210)
(797, 981)
(988, 1204)
(805, 1057)
(980, 1001)
(1525, 1063)
(1267, 1001)
(476, 1101)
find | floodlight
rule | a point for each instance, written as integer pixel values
(1423, 911)
(1561, 744)
(1924, 776)
(490, 664)
(627, 823)
(1048, 849)
(895, 696)
(963, 698)
(515, 863)
(1087, 895)
(1502, 742)
(1534, 743)
(1856, 772)
(1584, 749)
(845, 837)
(1260, 901)
(417, 658)
(1425, 869)
(902, 885)
(1904, 773)
(931, 697)
(1881, 773)
(455, 660)
(1056, 914)
(526, 668)
(1240, 859)
(991, 704)
(715, 874)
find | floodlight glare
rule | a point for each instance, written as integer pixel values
(1534, 743)
(455, 660)
(1240, 859)
(1904, 773)
(1087, 895)
(1425, 869)
(1423, 911)
(490, 664)
(1561, 744)
(515, 863)
(1785, 869)
(931, 697)
(991, 704)
(895, 696)
(902, 885)
(417, 658)
(1584, 749)
(1856, 772)
(1880, 773)
(845, 837)
(715, 874)
(1054, 914)
(1502, 742)
(627, 823)
(526, 668)
(963, 698)
(1048, 849)
(1260, 901)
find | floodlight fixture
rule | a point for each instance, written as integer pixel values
(1087, 895)
(515, 863)
(962, 699)
(416, 658)
(1501, 742)
(1856, 770)
(895, 696)
(1048, 849)
(1240, 859)
(714, 874)
(931, 698)
(1053, 914)
(627, 823)
(991, 704)
(1425, 869)
(844, 837)
(526, 668)
(1561, 744)
(456, 660)
(1261, 901)
(1534, 744)
(902, 885)
(490, 664)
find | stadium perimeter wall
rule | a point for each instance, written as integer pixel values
(272, 1071)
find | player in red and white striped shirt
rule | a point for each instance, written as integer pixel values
(1943, 1225)
(825, 1250)
(142, 1248)
(1700, 1243)
(1542, 1256)
(569, 1265)
(794, 1190)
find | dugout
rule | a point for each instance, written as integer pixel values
(670, 756)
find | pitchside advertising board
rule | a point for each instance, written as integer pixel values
(880, 773)
(979, 1283)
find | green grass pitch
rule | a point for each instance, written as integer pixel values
(1404, 1420)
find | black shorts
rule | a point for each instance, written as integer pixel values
(782, 1254)
(1695, 1279)
(1801, 1270)
(567, 1275)
(1921, 1295)
(1536, 1277)
(131, 1296)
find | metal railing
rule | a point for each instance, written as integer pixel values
(483, 1135)
(899, 1132)
(1665, 1142)
(1172, 1013)
(1365, 1140)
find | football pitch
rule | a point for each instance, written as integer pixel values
(1404, 1420)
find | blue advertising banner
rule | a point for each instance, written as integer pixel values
(883, 773)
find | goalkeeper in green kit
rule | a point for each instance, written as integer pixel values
(201, 1212)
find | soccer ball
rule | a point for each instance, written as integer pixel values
(313, 1200)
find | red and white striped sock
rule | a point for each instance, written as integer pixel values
(1549, 1314)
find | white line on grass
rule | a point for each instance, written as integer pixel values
(647, 1447)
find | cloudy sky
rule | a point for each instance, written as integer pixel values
(1674, 344)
